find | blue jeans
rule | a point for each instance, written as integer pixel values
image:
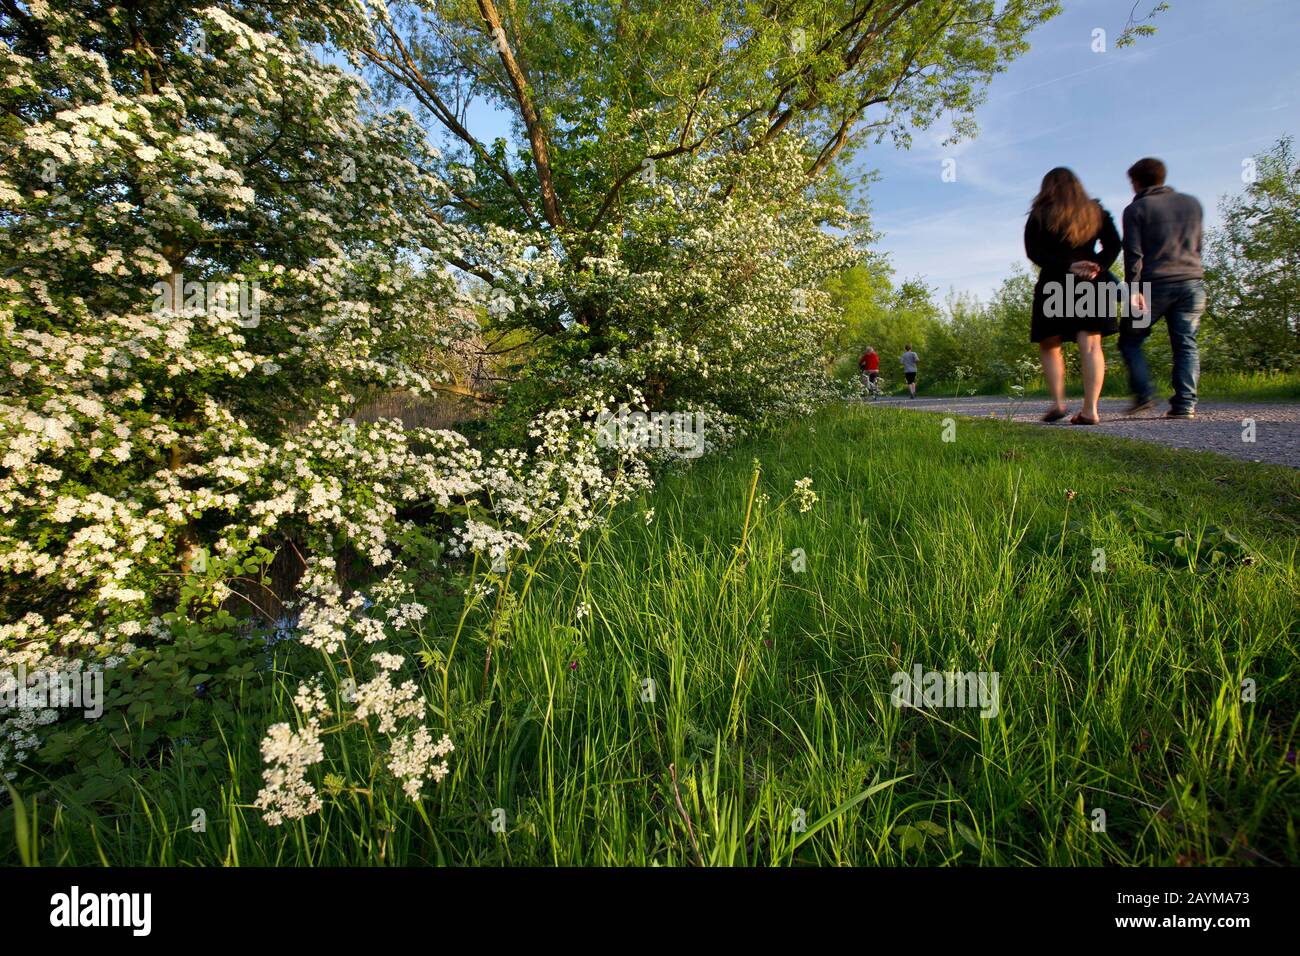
(1180, 304)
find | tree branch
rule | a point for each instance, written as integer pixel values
(541, 149)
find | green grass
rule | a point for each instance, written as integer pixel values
(1119, 691)
(1276, 386)
(1252, 386)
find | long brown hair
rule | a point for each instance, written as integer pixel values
(1064, 208)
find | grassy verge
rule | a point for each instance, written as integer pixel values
(1221, 386)
(727, 698)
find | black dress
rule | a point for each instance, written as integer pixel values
(1062, 304)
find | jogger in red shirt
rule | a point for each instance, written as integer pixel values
(870, 366)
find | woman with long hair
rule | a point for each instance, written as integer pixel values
(1075, 297)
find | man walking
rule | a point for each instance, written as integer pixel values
(909, 369)
(1162, 252)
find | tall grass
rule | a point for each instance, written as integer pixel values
(1260, 386)
(768, 735)
(1273, 386)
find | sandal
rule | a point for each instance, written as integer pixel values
(1080, 420)
(1055, 415)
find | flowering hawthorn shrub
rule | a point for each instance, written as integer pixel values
(717, 293)
(711, 301)
(678, 167)
(209, 244)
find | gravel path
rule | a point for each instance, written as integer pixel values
(1218, 427)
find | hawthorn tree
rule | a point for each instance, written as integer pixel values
(210, 242)
(618, 106)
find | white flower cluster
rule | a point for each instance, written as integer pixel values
(804, 494)
(416, 757)
(288, 794)
(140, 432)
(393, 708)
(716, 294)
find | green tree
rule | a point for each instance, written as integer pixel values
(862, 295)
(1253, 273)
(878, 314)
(619, 107)
(1009, 313)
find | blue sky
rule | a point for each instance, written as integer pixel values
(1218, 82)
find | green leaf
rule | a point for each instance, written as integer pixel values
(844, 807)
(23, 834)
(909, 837)
(969, 835)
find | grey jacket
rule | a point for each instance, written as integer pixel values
(1162, 237)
